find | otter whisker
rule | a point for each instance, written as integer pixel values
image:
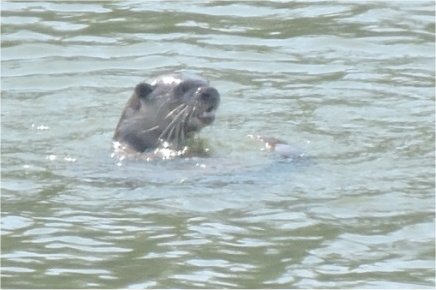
(182, 132)
(183, 124)
(175, 110)
(170, 134)
(150, 129)
(163, 105)
(189, 116)
(173, 135)
(172, 124)
(180, 127)
(178, 132)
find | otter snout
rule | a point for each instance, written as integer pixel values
(209, 97)
(208, 94)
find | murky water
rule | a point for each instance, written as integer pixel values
(351, 83)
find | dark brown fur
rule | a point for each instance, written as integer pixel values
(169, 109)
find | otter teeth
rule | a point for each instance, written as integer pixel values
(210, 114)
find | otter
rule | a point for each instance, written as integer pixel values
(168, 110)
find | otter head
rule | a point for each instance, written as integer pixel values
(169, 109)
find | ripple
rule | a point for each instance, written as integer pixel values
(89, 271)
(63, 26)
(18, 20)
(352, 83)
(11, 222)
(56, 7)
(16, 270)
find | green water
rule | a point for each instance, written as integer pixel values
(351, 83)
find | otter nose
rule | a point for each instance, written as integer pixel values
(209, 95)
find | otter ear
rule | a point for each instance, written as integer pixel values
(142, 90)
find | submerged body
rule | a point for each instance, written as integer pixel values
(166, 111)
(161, 116)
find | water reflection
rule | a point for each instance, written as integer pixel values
(350, 83)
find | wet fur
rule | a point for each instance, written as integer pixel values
(166, 111)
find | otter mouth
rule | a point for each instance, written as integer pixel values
(189, 114)
(207, 116)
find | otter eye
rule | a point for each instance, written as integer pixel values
(142, 90)
(184, 87)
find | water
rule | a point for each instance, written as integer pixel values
(350, 83)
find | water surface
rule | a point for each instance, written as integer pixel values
(350, 83)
